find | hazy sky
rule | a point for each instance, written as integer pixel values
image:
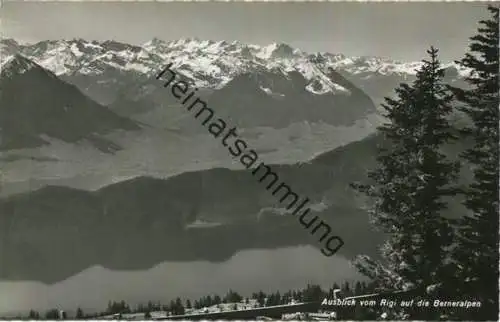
(397, 30)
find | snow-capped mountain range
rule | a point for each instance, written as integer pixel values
(210, 64)
(15, 64)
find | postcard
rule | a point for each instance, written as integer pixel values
(165, 160)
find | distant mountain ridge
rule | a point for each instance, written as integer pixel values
(35, 105)
(210, 64)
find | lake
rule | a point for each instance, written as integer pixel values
(246, 272)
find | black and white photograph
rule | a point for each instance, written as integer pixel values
(238, 160)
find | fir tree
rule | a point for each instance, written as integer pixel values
(300, 296)
(477, 251)
(334, 287)
(278, 298)
(346, 289)
(261, 298)
(173, 307)
(358, 288)
(117, 307)
(34, 315)
(79, 314)
(232, 296)
(313, 293)
(270, 300)
(410, 183)
(52, 314)
(179, 306)
(365, 288)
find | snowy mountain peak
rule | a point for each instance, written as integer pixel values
(8, 47)
(155, 44)
(278, 50)
(16, 65)
(8, 42)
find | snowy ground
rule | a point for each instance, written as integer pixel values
(222, 307)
